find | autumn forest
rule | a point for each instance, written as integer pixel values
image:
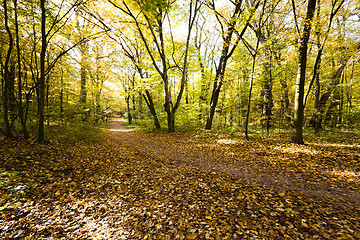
(192, 119)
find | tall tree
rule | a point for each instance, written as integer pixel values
(19, 75)
(41, 102)
(7, 76)
(300, 79)
(228, 47)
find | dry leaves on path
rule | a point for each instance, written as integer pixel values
(133, 185)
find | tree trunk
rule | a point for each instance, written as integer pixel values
(127, 99)
(171, 122)
(41, 103)
(8, 132)
(213, 103)
(316, 76)
(150, 104)
(267, 87)
(300, 79)
(168, 106)
(249, 99)
(268, 98)
(47, 86)
(83, 89)
(11, 92)
(225, 55)
(20, 103)
(61, 95)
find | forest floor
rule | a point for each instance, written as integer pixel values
(195, 185)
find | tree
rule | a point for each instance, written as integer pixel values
(300, 79)
(19, 63)
(228, 48)
(6, 77)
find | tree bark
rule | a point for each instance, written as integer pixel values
(220, 71)
(20, 89)
(249, 99)
(151, 106)
(83, 84)
(213, 102)
(8, 132)
(11, 92)
(127, 99)
(41, 103)
(300, 79)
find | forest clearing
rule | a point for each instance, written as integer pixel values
(131, 184)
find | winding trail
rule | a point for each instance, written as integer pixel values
(276, 166)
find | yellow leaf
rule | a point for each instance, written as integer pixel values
(208, 217)
(192, 236)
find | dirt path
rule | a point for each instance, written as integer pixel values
(276, 166)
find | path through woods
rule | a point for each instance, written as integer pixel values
(198, 185)
(288, 167)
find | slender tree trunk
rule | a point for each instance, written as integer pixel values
(267, 87)
(11, 92)
(83, 90)
(151, 106)
(20, 103)
(203, 85)
(316, 76)
(249, 99)
(341, 101)
(127, 99)
(41, 104)
(7, 74)
(62, 95)
(225, 55)
(268, 98)
(285, 101)
(213, 103)
(62, 105)
(300, 80)
(47, 87)
(168, 104)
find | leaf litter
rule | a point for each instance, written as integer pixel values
(136, 185)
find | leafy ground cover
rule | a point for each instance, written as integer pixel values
(194, 185)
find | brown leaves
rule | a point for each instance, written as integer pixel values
(139, 186)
